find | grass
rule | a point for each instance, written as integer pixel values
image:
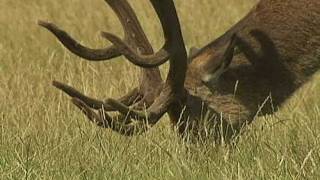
(42, 136)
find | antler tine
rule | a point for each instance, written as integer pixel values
(128, 99)
(132, 32)
(130, 22)
(105, 121)
(170, 45)
(146, 61)
(73, 46)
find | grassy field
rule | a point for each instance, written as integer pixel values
(43, 136)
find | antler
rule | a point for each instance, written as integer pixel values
(135, 36)
(172, 93)
(132, 28)
(132, 32)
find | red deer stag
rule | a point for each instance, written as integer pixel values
(278, 45)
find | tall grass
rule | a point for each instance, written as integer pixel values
(42, 136)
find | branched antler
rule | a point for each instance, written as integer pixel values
(150, 81)
(117, 123)
(137, 49)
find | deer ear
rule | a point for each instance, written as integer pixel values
(220, 62)
(229, 52)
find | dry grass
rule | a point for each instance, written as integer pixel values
(42, 136)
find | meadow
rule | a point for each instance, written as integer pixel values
(43, 136)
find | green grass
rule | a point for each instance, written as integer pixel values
(43, 136)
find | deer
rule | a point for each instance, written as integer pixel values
(216, 91)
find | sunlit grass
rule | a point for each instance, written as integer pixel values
(42, 136)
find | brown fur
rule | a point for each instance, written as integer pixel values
(280, 45)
